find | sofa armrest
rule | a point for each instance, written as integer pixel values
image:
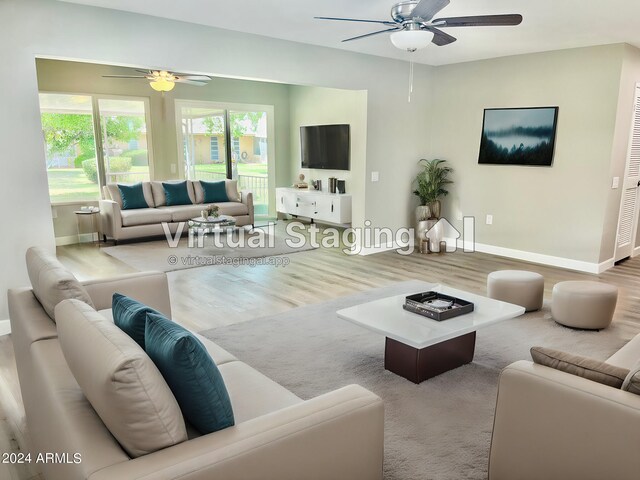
(246, 197)
(553, 425)
(336, 436)
(150, 288)
(110, 219)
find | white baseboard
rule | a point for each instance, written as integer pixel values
(543, 259)
(5, 327)
(72, 239)
(636, 251)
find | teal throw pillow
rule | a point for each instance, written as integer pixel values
(214, 192)
(176, 193)
(191, 374)
(130, 316)
(132, 196)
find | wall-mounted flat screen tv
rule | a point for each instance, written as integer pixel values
(325, 146)
(519, 136)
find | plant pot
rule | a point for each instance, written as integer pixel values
(434, 208)
(423, 212)
(422, 227)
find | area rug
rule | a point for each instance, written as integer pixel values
(159, 256)
(440, 429)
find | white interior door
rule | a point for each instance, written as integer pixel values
(628, 218)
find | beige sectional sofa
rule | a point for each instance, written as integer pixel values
(119, 224)
(277, 435)
(556, 426)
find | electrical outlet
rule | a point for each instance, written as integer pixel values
(174, 168)
(375, 176)
(615, 183)
(489, 219)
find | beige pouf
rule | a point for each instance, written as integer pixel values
(588, 305)
(518, 287)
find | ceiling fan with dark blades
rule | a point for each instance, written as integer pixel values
(413, 25)
(164, 81)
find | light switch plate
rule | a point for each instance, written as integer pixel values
(489, 219)
(375, 176)
(615, 183)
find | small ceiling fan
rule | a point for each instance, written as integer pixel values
(165, 81)
(414, 27)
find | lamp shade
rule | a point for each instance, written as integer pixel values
(411, 40)
(162, 85)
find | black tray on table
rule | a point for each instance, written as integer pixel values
(437, 306)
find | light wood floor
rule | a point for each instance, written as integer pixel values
(208, 297)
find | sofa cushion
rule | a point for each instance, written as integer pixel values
(114, 193)
(159, 198)
(235, 209)
(191, 373)
(51, 282)
(632, 381)
(120, 381)
(182, 213)
(176, 193)
(132, 196)
(214, 192)
(628, 355)
(144, 216)
(231, 187)
(252, 393)
(585, 367)
(130, 316)
(218, 354)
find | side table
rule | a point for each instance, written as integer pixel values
(94, 214)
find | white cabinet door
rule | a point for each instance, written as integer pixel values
(329, 209)
(306, 205)
(286, 201)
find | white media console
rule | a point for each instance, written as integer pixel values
(320, 206)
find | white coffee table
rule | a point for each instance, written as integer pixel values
(419, 348)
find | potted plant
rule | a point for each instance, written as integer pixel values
(430, 187)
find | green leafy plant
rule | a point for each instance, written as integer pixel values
(82, 157)
(116, 165)
(432, 180)
(139, 157)
(90, 168)
(119, 164)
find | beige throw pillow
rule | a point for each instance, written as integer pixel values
(231, 187)
(585, 367)
(51, 282)
(120, 381)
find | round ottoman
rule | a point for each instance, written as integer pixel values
(587, 305)
(518, 287)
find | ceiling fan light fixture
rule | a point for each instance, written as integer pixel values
(162, 85)
(411, 40)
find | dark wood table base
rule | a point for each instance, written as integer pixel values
(418, 365)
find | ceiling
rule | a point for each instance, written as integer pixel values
(548, 24)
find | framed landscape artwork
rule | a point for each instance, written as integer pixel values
(518, 136)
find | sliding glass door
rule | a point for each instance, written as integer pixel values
(93, 140)
(228, 141)
(123, 126)
(203, 141)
